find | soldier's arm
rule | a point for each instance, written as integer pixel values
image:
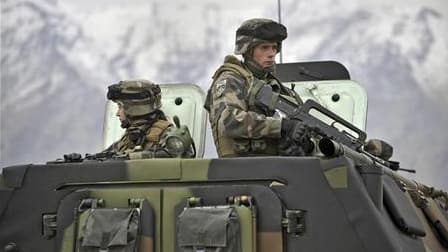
(231, 110)
(177, 141)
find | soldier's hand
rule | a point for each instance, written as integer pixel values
(293, 129)
(297, 131)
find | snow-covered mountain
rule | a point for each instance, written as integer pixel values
(58, 57)
(44, 88)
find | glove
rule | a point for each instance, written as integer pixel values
(298, 133)
(293, 129)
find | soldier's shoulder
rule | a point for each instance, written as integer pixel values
(231, 69)
(230, 75)
(158, 128)
(161, 125)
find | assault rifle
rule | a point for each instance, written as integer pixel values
(332, 140)
(101, 156)
(349, 142)
(105, 156)
(111, 156)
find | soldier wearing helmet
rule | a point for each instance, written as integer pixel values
(240, 127)
(148, 132)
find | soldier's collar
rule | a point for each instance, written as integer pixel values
(256, 69)
(232, 59)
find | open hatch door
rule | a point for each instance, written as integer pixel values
(328, 83)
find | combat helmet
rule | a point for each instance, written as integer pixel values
(257, 30)
(137, 97)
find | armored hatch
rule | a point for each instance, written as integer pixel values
(183, 100)
(328, 83)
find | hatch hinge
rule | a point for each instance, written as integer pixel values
(294, 222)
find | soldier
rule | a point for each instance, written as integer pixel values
(240, 127)
(148, 132)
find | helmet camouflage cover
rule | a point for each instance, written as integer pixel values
(138, 97)
(255, 31)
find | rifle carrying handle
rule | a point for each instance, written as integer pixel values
(311, 104)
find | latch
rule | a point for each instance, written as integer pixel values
(49, 225)
(294, 222)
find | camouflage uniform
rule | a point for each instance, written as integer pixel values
(143, 137)
(147, 128)
(239, 126)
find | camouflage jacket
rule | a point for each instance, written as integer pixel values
(151, 139)
(239, 126)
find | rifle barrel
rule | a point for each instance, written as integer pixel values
(331, 148)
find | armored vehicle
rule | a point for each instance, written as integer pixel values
(341, 198)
